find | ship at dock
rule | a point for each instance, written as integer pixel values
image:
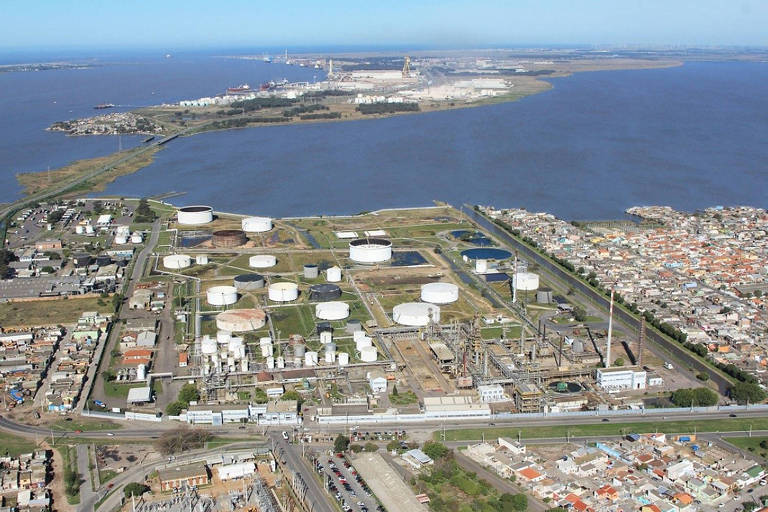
(239, 90)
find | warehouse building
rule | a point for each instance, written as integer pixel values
(621, 379)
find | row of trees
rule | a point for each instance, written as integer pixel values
(143, 212)
(188, 393)
(387, 108)
(260, 103)
(698, 397)
(181, 439)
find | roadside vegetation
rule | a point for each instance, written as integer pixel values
(181, 439)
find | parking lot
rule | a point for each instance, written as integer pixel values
(342, 482)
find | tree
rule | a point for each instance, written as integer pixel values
(370, 447)
(579, 314)
(135, 489)
(514, 502)
(260, 396)
(143, 212)
(744, 392)
(341, 443)
(435, 450)
(292, 395)
(189, 393)
(699, 397)
(357, 448)
(175, 408)
(181, 439)
(394, 390)
(619, 361)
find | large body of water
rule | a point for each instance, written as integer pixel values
(596, 144)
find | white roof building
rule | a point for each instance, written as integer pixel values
(142, 395)
(235, 471)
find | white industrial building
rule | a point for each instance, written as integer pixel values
(236, 471)
(491, 393)
(378, 382)
(621, 379)
(457, 407)
(275, 412)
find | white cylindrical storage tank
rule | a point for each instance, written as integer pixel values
(136, 238)
(343, 358)
(310, 359)
(270, 362)
(235, 344)
(266, 340)
(440, 293)
(370, 250)
(363, 342)
(332, 310)
(256, 224)
(241, 320)
(177, 261)
(221, 295)
(79, 229)
(283, 292)
(526, 281)
(89, 229)
(311, 271)
(281, 362)
(330, 356)
(192, 215)
(141, 372)
(243, 365)
(262, 261)
(326, 337)
(122, 240)
(415, 314)
(333, 275)
(481, 266)
(223, 336)
(266, 350)
(368, 354)
(208, 346)
(201, 259)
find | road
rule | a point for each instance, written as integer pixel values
(115, 332)
(87, 495)
(316, 497)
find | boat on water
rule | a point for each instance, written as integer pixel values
(240, 89)
(102, 106)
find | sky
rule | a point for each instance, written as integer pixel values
(174, 24)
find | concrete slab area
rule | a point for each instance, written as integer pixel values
(386, 484)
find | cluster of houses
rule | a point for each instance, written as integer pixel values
(651, 473)
(74, 356)
(24, 480)
(703, 274)
(221, 467)
(24, 358)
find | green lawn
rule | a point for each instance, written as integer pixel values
(406, 398)
(751, 444)
(14, 445)
(85, 425)
(117, 390)
(106, 475)
(609, 428)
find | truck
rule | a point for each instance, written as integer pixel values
(668, 365)
(99, 403)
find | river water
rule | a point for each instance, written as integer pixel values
(597, 143)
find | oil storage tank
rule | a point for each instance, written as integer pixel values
(262, 261)
(241, 320)
(228, 238)
(370, 250)
(256, 224)
(526, 281)
(333, 275)
(332, 310)
(440, 293)
(221, 295)
(195, 215)
(311, 271)
(249, 282)
(177, 261)
(368, 354)
(283, 292)
(324, 292)
(415, 314)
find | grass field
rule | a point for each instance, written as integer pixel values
(751, 444)
(609, 429)
(14, 445)
(49, 312)
(86, 425)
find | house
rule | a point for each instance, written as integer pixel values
(190, 475)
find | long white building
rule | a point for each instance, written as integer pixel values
(621, 379)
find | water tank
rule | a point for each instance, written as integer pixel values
(226, 238)
(363, 342)
(283, 292)
(136, 238)
(262, 261)
(208, 346)
(343, 358)
(201, 259)
(326, 337)
(193, 215)
(332, 310)
(440, 293)
(256, 224)
(354, 325)
(526, 281)
(249, 282)
(370, 250)
(221, 295)
(271, 362)
(310, 359)
(330, 357)
(333, 275)
(368, 354)
(311, 271)
(177, 261)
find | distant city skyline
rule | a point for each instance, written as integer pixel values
(60, 24)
